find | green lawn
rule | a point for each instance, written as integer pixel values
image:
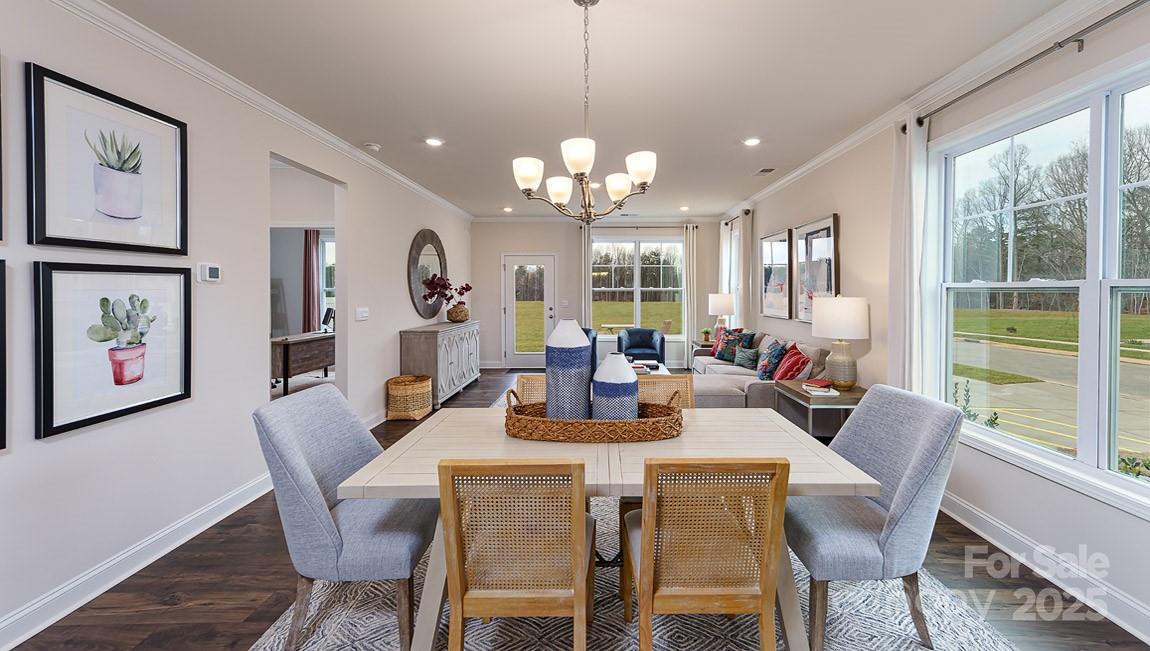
(529, 317)
(992, 376)
(1049, 330)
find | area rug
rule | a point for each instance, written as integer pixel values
(862, 616)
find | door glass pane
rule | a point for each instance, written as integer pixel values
(1130, 393)
(980, 248)
(1050, 241)
(1014, 363)
(982, 179)
(530, 316)
(612, 310)
(1051, 161)
(1136, 136)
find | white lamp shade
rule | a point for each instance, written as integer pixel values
(528, 173)
(618, 185)
(641, 166)
(720, 304)
(840, 317)
(559, 189)
(578, 155)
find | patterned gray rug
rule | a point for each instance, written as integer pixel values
(862, 616)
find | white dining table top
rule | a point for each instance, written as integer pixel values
(409, 467)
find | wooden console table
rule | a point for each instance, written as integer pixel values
(295, 354)
(448, 352)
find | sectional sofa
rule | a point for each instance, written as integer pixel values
(719, 383)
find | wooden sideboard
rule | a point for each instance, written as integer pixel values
(448, 352)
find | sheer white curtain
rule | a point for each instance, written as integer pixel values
(690, 277)
(908, 216)
(734, 271)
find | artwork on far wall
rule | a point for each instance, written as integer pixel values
(111, 340)
(816, 262)
(775, 257)
(3, 356)
(104, 172)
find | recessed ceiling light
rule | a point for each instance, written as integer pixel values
(751, 142)
(508, 209)
(684, 208)
(372, 146)
(595, 185)
(434, 142)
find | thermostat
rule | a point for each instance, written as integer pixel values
(210, 273)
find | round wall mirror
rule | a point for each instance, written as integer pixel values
(425, 258)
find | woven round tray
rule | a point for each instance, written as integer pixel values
(655, 423)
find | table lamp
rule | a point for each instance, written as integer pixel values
(840, 318)
(720, 305)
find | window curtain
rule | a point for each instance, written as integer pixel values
(311, 286)
(908, 218)
(585, 252)
(734, 272)
(690, 277)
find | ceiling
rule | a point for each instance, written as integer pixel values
(689, 79)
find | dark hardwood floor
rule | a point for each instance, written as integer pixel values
(226, 586)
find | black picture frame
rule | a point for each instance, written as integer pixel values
(827, 227)
(784, 236)
(3, 355)
(34, 78)
(45, 369)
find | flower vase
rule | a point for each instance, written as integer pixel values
(616, 390)
(458, 313)
(568, 372)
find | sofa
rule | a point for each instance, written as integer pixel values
(719, 383)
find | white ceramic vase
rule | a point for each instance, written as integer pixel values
(616, 390)
(568, 372)
(118, 194)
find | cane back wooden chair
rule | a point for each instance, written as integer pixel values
(518, 540)
(707, 541)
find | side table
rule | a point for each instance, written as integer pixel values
(844, 402)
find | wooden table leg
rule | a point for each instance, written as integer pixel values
(787, 593)
(431, 601)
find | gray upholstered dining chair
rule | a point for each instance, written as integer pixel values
(907, 442)
(312, 441)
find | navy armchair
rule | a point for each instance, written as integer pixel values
(643, 343)
(593, 337)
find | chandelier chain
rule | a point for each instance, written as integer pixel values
(586, 71)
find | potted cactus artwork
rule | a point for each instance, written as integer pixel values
(117, 175)
(127, 324)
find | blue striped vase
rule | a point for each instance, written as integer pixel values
(616, 389)
(568, 372)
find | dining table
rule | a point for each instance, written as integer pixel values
(409, 469)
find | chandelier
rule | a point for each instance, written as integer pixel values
(579, 157)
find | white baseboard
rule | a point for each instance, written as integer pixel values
(1115, 604)
(483, 364)
(375, 420)
(42, 612)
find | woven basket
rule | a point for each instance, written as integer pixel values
(408, 397)
(655, 423)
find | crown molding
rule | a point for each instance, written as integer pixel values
(1041, 32)
(132, 31)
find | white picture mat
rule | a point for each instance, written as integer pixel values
(69, 170)
(82, 375)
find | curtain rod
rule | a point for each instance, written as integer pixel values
(1078, 38)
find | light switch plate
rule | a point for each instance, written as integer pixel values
(362, 313)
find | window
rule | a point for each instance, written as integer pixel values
(1046, 282)
(637, 283)
(327, 272)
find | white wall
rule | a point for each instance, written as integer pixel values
(857, 186)
(300, 198)
(81, 510)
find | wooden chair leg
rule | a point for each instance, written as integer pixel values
(767, 624)
(455, 630)
(818, 613)
(913, 599)
(625, 577)
(646, 625)
(303, 591)
(591, 586)
(404, 611)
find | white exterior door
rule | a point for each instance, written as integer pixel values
(528, 308)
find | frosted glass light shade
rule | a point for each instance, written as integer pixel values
(840, 317)
(720, 304)
(528, 173)
(578, 155)
(559, 189)
(618, 185)
(641, 166)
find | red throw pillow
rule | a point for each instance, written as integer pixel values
(792, 365)
(719, 338)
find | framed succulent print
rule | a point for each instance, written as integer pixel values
(103, 172)
(775, 257)
(3, 356)
(816, 263)
(111, 340)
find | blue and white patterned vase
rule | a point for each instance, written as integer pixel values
(616, 389)
(568, 372)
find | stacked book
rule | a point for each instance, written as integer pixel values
(819, 388)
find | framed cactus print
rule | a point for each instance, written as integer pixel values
(3, 356)
(111, 340)
(103, 172)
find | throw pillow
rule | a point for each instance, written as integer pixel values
(746, 357)
(769, 359)
(793, 365)
(719, 332)
(727, 347)
(747, 339)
